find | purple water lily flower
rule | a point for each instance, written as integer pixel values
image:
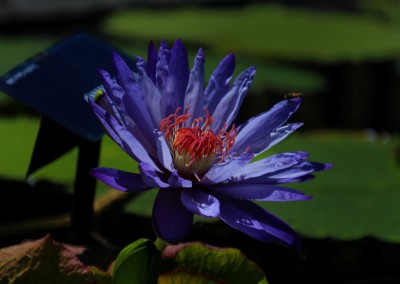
(183, 137)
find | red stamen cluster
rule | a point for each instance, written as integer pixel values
(198, 141)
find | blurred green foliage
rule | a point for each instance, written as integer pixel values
(17, 147)
(15, 49)
(265, 31)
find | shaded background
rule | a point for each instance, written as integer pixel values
(342, 55)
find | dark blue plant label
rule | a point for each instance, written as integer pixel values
(58, 82)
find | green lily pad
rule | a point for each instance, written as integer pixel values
(181, 277)
(221, 265)
(266, 31)
(358, 197)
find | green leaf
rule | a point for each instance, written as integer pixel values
(180, 276)
(43, 261)
(137, 263)
(226, 265)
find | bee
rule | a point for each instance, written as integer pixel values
(293, 95)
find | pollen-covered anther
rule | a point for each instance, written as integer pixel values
(196, 148)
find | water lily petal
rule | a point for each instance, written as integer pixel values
(163, 152)
(229, 105)
(134, 102)
(153, 96)
(109, 106)
(304, 178)
(120, 180)
(177, 181)
(302, 169)
(150, 176)
(163, 80)
(151, 62)
(195, 90)
(280, 133)
(224, 171)
(114, 100)
(141, 64)
(171, 220)
(292, 173)
(113, 89)
(125, 140)
(269, 165)
(200, 202)
(153, 100)
(256, 222)
(172, 76)
(179, 67)
(218, 84)
(254, 133)
(259, 192)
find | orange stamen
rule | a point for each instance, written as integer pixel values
(198, 146)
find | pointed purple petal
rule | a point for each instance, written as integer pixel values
(259, 192)
(229, 105)
(255, 132)
(302, 169)
(195, 91)
(120, 180)
(151, 62)
(172, 76)
(125, 140)
(163, 152)
(200, 203)
(164, 82)
(256, 222)
(171, 220)
(270, 165)
(134, 102)
(218, 84)
(292, 173)
(150, 176)
(153, 97)
(109, 106)
(153, 100)
(176, 181)
(114, 91)
(224, 171)
(117, 108)
(141, 64)
(304, 178)
(277, 135)
(179, 67)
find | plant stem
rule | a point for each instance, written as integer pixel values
(160, 244)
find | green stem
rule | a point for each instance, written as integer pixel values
(160, 244)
